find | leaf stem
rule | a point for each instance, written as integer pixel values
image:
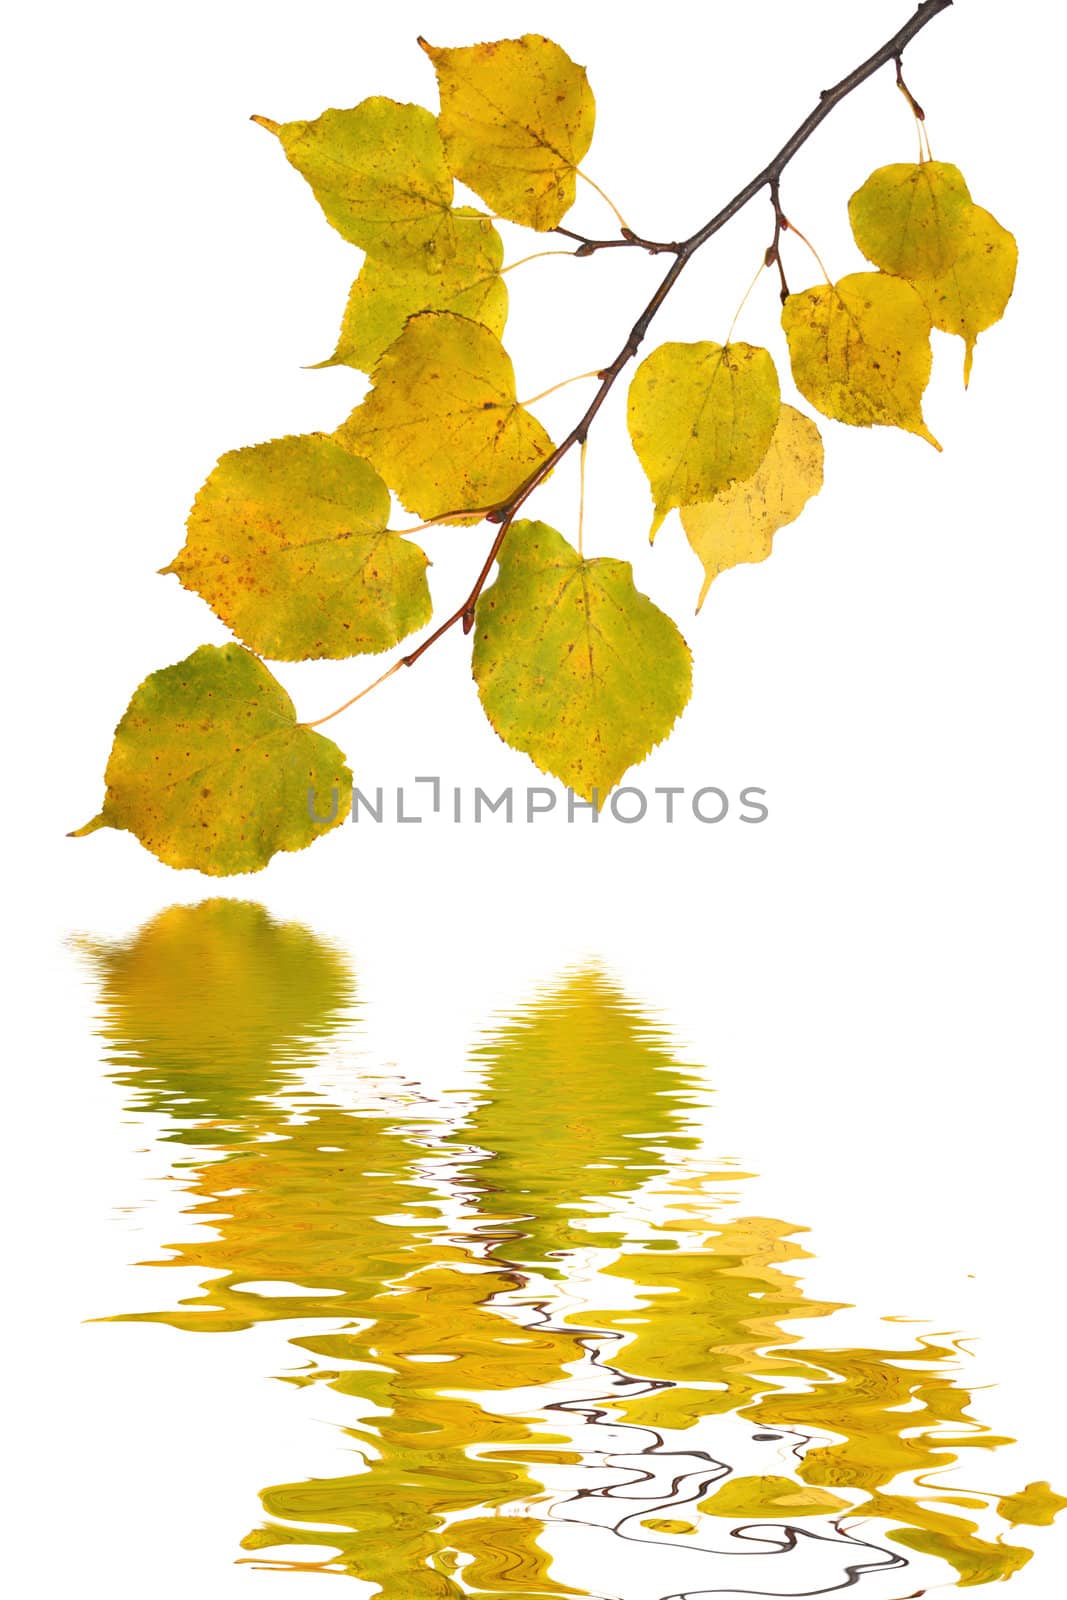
(581, 493)
(388, 673)
(744, 301)
(623, 224)
(538, 255)
(805, 240)
(480, 512)
(578, 378)
(767, 178)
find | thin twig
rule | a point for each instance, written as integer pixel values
(917, 112)
(683, 252)
(773, 258)
(627, 240)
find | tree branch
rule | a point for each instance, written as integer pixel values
(767, 178)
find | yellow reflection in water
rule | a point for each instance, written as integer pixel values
(533, 1312)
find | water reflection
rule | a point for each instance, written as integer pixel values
(551, 1323)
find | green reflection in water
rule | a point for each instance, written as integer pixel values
(208, 1006)
(432, 1271)
(582, 1103)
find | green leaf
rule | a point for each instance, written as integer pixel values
(287, 544)
(911, 218)
(700, 416)
(383, 297)
(379, 173)
(442, 424)
(573, 665)
(860, 350)
(211, 770)
(517, 117)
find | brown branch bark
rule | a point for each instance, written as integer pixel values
(767, 178)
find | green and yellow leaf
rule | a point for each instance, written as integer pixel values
(517, 117)
(974, 291)
(573, 665)
(739, 524)
(383, 297)
(911, 218)
(700, 416)
(860, 350)
(211, 770)
(287, 543)
(379, 173)
(442, 424)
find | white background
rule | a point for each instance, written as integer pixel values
(871, 976)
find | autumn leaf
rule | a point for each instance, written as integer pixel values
(286, 542)
(739, 524)
(974, 291)
(517, 118)
(383, 297)
(573, 665)
(911, 218)
(701, 415)
(860, 350)
(211, 770)
(442, 424)
(379, 173)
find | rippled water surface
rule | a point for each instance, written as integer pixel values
(562, 1343)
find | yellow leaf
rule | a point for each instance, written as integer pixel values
(210, 768)
(517, 118)
(974, 291)
(911, 219)
(287, 544)
(740, 523)
(442, 424)
(383, 297)
(701, 415)
(573, 665)
(860, 351)
(379, 173)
